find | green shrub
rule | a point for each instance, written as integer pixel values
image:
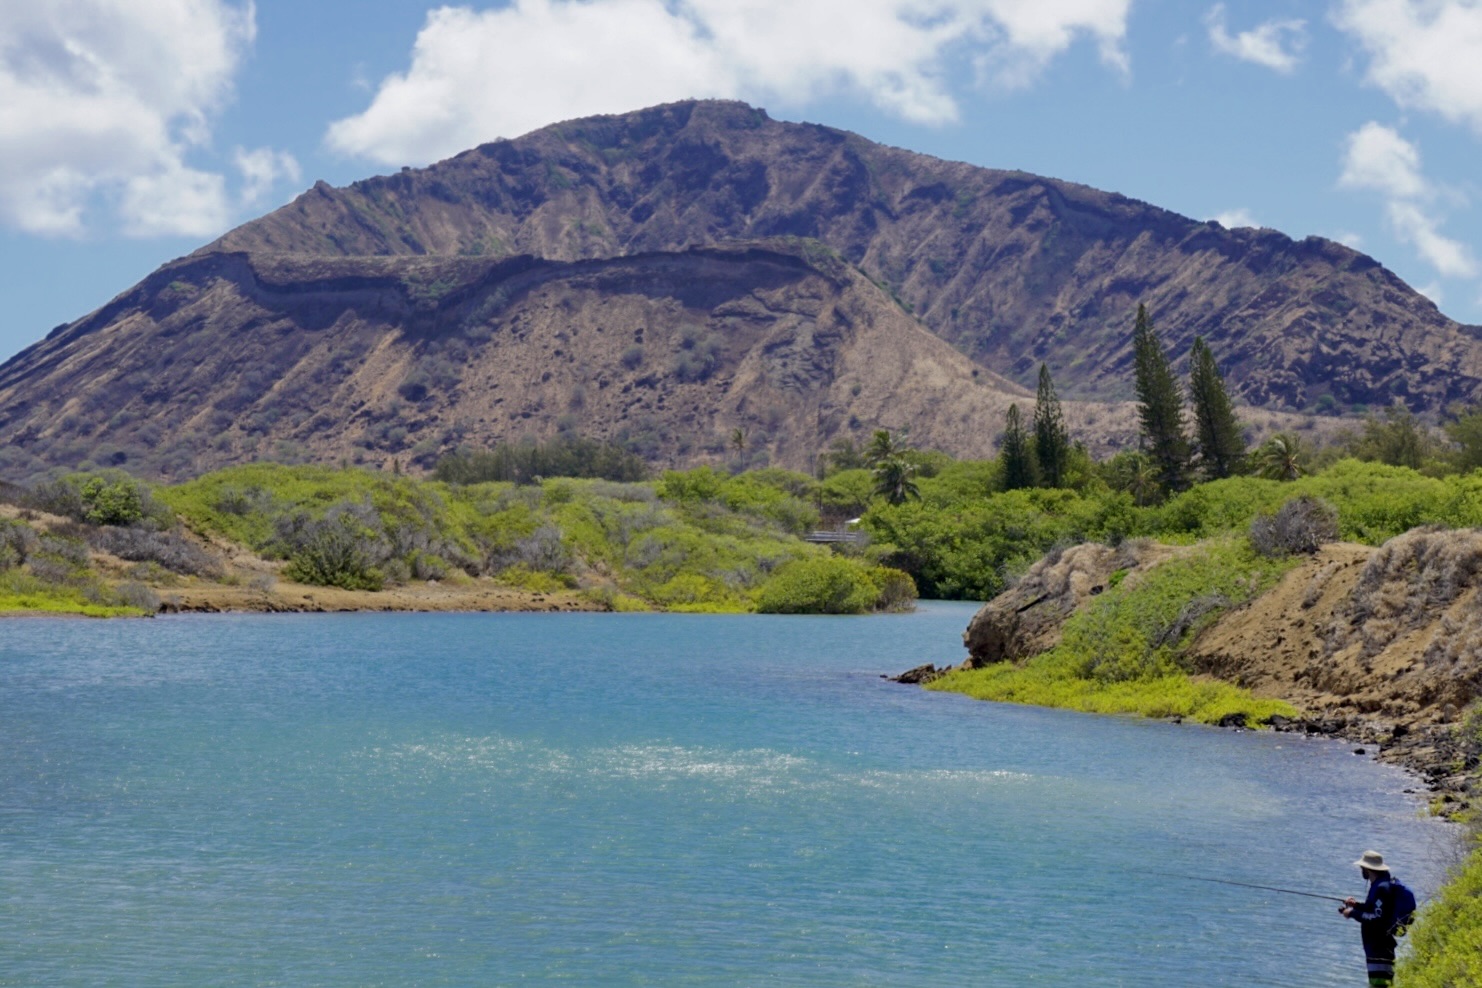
(118, 503)
(821, 585)
(522, 576)
(1138, 631)
(1446, 940)
(699, 484)
(1122, 652)
(108, 497)
(834, 585)
(341, 549)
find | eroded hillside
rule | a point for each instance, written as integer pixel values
(227, 357)
(1010, 268)
(670, 276)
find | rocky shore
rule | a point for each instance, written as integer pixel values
(1380, 647)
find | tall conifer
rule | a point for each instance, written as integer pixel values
(1160, 406)
(1221, 440)
(1017, 453)
(1051, 441)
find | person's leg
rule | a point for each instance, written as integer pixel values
(1381, 972)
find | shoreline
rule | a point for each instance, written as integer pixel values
(430, 598)
(1430, 752)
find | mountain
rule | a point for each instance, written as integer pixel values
(227, 356)
(666, 276)
(1010, 268)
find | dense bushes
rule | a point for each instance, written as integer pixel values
(109, 497)
(347, 528)
(961, 544)
(1446, 943)
(17, 542)
(527, 463)
(698, 540)
(833, 585)
(168, 549)
(52, 572)
(340, 549)
(777, 496)
(966, 539)
(1123, 653)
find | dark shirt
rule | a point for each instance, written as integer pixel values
(1376, 918)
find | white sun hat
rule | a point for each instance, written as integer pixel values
(1372, 860)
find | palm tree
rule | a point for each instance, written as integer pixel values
(1280, 457)
(893, 479)
(882, 447)
(1139, 477)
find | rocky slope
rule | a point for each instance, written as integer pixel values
(1010, 268)
(1379, 645)
(227, 356)
(666, 276)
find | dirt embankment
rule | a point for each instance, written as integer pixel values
(285, 597)
(1383, 646)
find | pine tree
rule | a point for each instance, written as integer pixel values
(1160, 406)
(1051, 441)
(1016, 453)
(1221, 440)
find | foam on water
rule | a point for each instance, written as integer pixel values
(493, 799)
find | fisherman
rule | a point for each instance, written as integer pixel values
(1377, 918)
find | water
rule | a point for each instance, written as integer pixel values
(641, 800)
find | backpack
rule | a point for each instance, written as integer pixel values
(1403, 901)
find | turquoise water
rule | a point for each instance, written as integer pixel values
(641, 800)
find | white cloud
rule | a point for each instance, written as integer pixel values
(1378, 159)
(1276, 44)
(1451, 258)
(261, 169)
(1232, 219)
(477, 75)
(1425, 54)
(101, 104)
(174, 200)
(1349, 239)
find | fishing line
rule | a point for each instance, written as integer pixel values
(1248, 885)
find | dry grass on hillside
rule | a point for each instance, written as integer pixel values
(1393, 632)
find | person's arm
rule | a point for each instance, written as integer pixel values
(1371, 908)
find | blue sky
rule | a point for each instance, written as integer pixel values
(133, 131)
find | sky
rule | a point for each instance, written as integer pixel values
(134, 131)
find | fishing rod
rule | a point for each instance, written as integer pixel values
(1248, 885)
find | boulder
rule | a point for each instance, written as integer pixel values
(1025, 620)
(920, 675)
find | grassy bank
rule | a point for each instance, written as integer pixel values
(1446, 942)
(1123, 652)
(49, 571)
(692, 541)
